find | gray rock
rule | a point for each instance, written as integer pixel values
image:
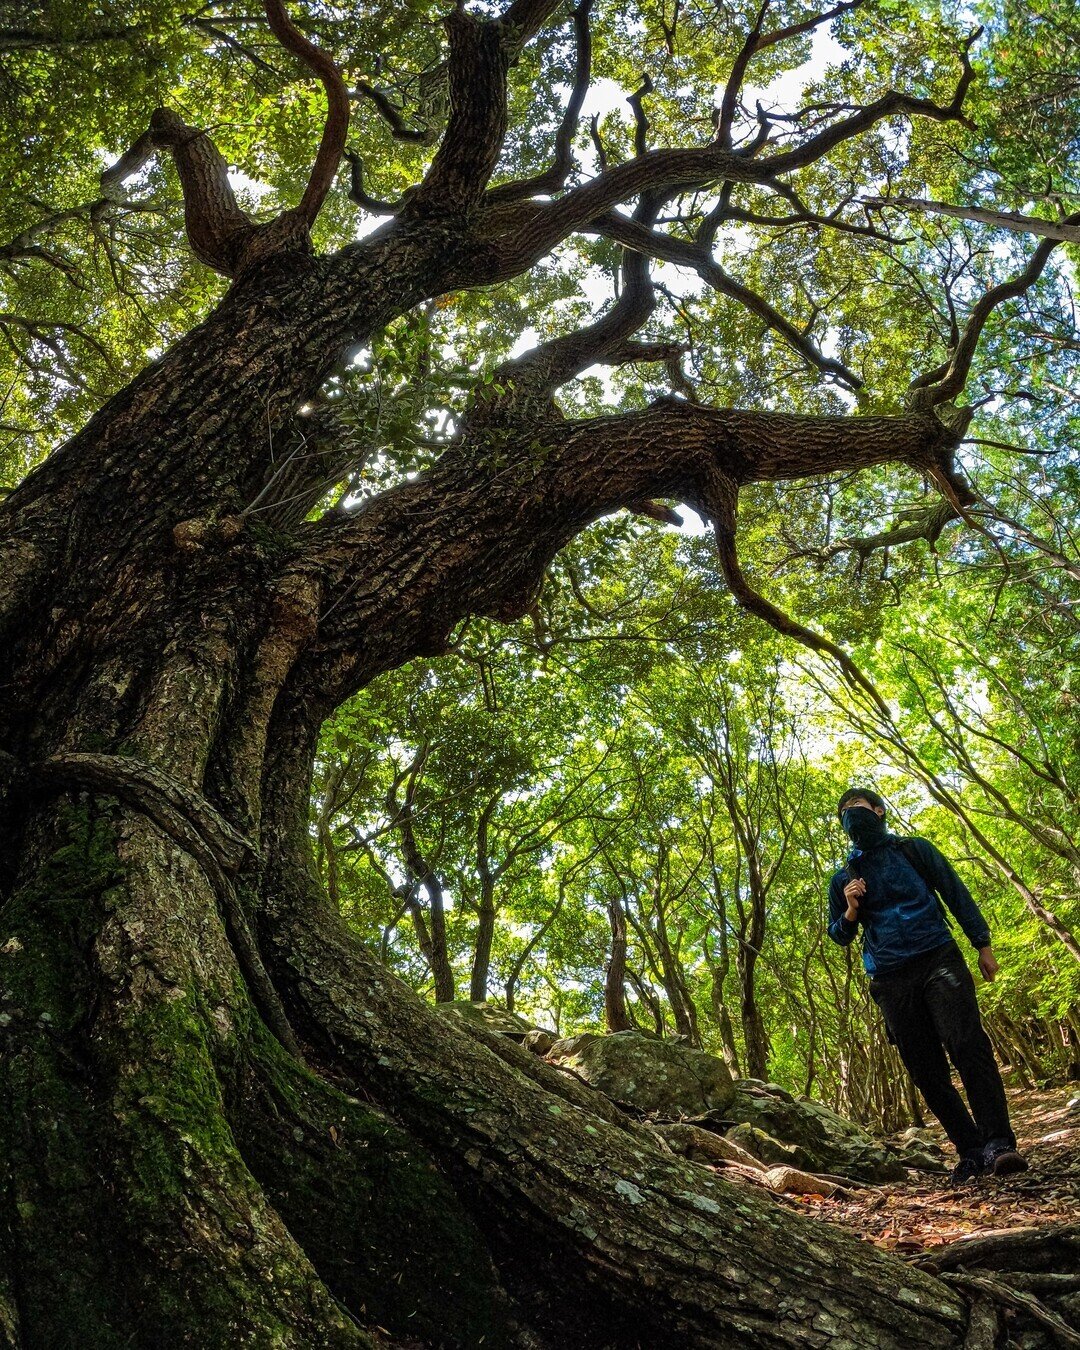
(767, 1149)
(760, 1086)
(829, 1143)
(538, 1041)
(658, 1076)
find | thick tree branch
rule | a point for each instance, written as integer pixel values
(479, 59)
(466, 543)
(217, 229)
(672, 170)
(730, 100)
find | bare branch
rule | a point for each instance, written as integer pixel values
(1067, 230)
(686, 254)
(538, 373)
(796, 29)
(399, 128)
(374, 205)
(336, 129)
(923, 523)
(720, 502)
(641, 121)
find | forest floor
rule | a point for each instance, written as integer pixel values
(926, 1211)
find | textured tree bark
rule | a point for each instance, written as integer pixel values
(616, 1017)
(224, 1122)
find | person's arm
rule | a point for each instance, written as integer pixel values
(958, 899)
(841, 929)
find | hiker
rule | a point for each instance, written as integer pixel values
(919, 979)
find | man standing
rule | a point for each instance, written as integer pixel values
(919, 979)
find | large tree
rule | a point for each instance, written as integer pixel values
(225, 1123)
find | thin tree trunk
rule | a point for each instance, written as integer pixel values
(616, 1016)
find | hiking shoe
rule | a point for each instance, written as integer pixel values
(970, 1166)
(1001, 1158)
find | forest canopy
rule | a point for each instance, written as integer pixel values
(475, 486)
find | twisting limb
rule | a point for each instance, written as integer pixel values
(672, 170)
(476, 127)
(946, 381)
(556, 174)
(399, 128)
(796, 29)
(634, 235)
(219, 232)
(755, 42)
(217, 229)
(356, 188)
(730, 100)
(720, 502)
(531, 379)
(641, 120)
(336, 128)
(924, 523)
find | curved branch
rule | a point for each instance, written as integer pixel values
(555, 175)
(635, 236)
(357, 194)
(399, 128)
(1065, 231)
(925, 523)
(729, 102)
(538, 373)
(720, 501)
(336, 129)
(476, 533)
(466, 158)
(673, 170)
(947, 381)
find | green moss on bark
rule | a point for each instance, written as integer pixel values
(51, 1149)
(383, 1227)
(128, 1216)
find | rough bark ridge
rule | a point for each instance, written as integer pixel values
(225, 1124)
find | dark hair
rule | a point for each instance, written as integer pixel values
(852, 793)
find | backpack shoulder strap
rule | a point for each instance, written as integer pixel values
(911, 854)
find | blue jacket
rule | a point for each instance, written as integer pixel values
(899, 915)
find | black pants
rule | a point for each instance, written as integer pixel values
(930, 1009)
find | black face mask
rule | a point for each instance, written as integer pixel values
(862, 826)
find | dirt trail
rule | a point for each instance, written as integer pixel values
(926, 1212)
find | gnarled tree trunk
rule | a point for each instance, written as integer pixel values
(225, 1123)
(225, 1118)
